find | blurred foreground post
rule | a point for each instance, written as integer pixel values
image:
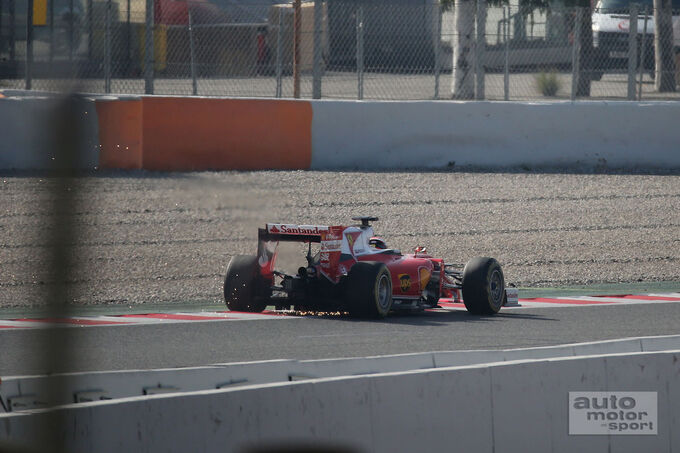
(53, 344)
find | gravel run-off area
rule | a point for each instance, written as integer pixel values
(147, 238)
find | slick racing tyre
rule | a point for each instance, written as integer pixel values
(483, 286)
(244, 289)
(369, 290)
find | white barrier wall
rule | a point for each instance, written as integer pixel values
(382, 135)
(28, 137)
(506, 407)
(29, 392)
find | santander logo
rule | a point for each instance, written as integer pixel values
(283, 228)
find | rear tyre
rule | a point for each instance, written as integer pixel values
(483, 286)
(244, 289)
(369, 290)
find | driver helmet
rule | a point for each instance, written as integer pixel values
(377, 242)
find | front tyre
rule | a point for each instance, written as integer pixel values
(369, 290)
(244, 289)
(483, 286)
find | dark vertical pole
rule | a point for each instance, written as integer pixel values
(29, 45)
(643, 41)
(360, 52)
(61, 258)
(297, 20)
(192, 54)
(90, 27)
(107, 53)
(318, 48)
(148, 48)
(437, 43)
(632, 50)
(71, 30)
(51, 13)
(480, 47)
(2, 40)
(128, 38)
(506, 53)
(279, 34)
(12, 31)
(576, 55)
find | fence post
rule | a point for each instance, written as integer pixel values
(506, 63)
(50, 6)
(279, 70)
(12, 31)
(148, 48)
(192, 53)
(128, 39)
(360, 53)
(632, 50)
(437, 43)
(297, 25)
(71, 29)
(642, 52)
(90, 27)
(107, 56)
(480, 46)
(318, 49)
(29, 45)
(576, 53)
(2, 39)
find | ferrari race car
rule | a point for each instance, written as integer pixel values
(354, 271)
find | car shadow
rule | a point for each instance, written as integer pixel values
(434, 318)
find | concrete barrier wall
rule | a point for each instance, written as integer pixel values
(505, 407)
(27, 136)
(185, 134)
(370, 135)
(163, 133)
(128, 383)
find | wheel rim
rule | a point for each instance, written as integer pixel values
(496, 286)
(383, 292)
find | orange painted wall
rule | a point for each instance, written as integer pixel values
(120, 133)
(183, 134)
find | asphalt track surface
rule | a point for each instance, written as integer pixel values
(150, 240)
(193, 344)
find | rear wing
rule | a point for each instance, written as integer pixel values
(268, 239)
(286, 232)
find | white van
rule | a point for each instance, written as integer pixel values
(611, 22)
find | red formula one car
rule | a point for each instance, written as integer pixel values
(355, 271)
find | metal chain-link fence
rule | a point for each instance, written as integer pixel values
(345, 49)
